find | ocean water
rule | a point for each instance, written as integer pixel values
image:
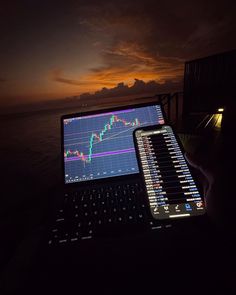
(29, 154)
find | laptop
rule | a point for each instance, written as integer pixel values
(103, 191)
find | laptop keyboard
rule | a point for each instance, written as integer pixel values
(99, 211)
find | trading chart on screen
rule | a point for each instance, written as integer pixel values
(101, 145)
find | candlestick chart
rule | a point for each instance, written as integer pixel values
(98, 137)
(99, 146)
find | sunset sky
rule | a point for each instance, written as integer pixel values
(53, 49)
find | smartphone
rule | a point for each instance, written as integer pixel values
(171, 189)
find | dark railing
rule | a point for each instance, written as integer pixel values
(196, 123)
(172, 104)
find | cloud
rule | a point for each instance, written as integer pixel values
(128, 60)
(138, 87)
(57, 75)
(164, 27)
(135, 46)
(148, 41)
(90, 81)
(124, 62)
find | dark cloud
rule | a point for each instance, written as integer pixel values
(97, 44)
(182, 29)
(138, 61)
(58, 76)
(153, 39)
(96, 80)
(139, 87)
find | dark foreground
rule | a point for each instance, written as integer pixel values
(193, 259)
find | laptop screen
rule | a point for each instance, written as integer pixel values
(101, 145)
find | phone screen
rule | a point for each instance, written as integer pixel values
(171, 189)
